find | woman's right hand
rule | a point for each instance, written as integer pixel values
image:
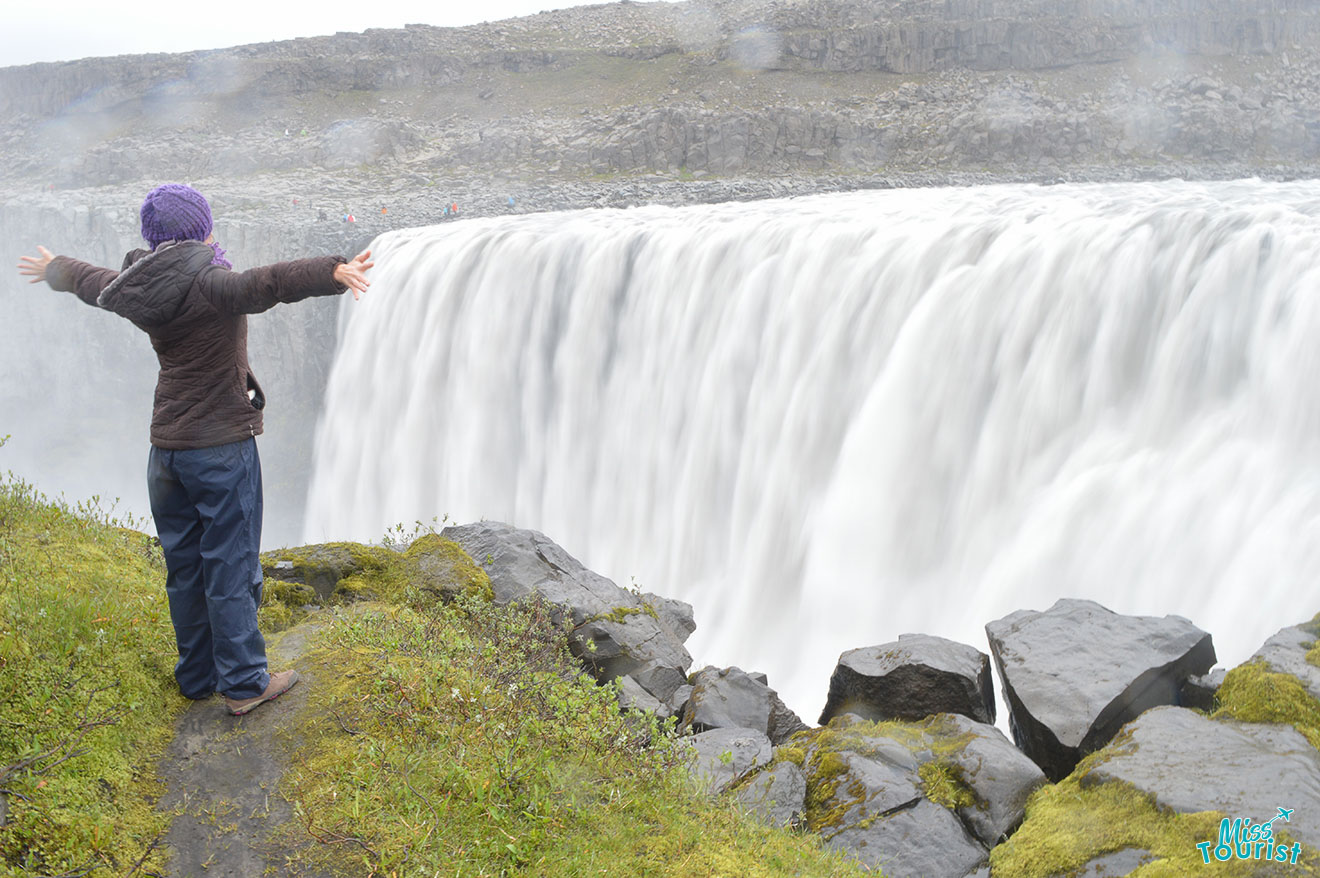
(353, 274)
(35, 266)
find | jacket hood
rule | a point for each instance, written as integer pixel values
(153, 285)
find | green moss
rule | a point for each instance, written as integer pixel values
(1313, 627)
(283, 603)
(944, 784)
(826, 804)
(789, 752)
(622, 614)
(1067, 826)
(444, 569)
(291, 594)
(352, 589)
(274, 616)
(1253, 693)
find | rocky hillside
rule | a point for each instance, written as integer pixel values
(717, 88)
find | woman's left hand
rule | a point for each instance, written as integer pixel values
(35, 266)
(353, 274)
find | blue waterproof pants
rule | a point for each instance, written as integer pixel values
(207, 507)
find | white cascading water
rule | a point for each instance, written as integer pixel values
(832, 420)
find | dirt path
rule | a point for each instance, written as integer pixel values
(222, 776)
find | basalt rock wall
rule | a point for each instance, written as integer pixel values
(829, 35)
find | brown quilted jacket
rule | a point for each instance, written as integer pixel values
(196, 316)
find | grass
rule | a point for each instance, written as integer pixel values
(463, 739)
(87, 695)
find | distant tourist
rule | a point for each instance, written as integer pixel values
(203, 474)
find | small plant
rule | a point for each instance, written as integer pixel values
(399, 537)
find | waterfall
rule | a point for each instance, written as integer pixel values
(832, 420)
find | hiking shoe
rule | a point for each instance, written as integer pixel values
(278, 685)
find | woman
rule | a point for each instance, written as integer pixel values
(203, 473)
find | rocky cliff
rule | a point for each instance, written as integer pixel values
(719, 87)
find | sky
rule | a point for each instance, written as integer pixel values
(63, 30)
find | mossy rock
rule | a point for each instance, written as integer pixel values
(351, 572)
(291, 594)
(823, 753)
(1083, 818)
(966, 767)
(1078, 821)
(1252, 692)
(283, 604)
(443, 569)
(324, 566)
(944, 784)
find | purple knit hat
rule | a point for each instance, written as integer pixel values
(175, 212)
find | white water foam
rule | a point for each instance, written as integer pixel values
(829, 421)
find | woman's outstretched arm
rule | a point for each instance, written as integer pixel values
(66, 275)
(258, 289)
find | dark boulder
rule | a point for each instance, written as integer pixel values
(777, 795)
(633, 697)
(912, 839)
(720, 757)
(1076, 673)
(325, 567)
(916, 677)
(678, 702)
(675, 615)
(1199, 691)
(732, 698)
(1000, 777)
(615, 632)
